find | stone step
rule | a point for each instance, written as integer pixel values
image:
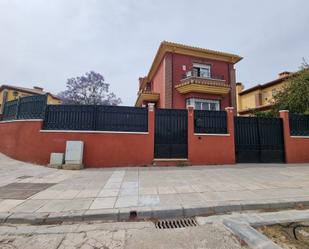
(171, 162)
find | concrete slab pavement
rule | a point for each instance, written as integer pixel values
(154, 192)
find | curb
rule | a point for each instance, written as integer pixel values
(144, 213)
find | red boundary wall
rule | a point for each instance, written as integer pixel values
(24, 140)
(296, 147)
(211, 148)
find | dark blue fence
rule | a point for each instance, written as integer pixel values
(96, 118)
(299, 125)
(213, 122)
(30, 107)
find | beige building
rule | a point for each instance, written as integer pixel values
(259, 97)
(8, 93)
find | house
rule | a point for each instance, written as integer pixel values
(183, 75)
(8, 93)
(260, 97)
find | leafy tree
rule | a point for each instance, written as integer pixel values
(295, 94)
(262, 114)
(89, 89)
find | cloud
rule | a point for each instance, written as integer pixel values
(45, 42)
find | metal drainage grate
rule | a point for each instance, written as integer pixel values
(173, 223)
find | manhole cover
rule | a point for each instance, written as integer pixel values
(175, 223)
(22, 191)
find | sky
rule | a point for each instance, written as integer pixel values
(45, 42)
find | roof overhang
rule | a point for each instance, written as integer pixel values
(146, 96)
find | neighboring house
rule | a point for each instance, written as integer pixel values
(183, 75)
(8, 93)
(260, 97)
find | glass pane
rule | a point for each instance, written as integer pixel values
(205, 106)
(197, 105)
(204, 72)
(213, 106)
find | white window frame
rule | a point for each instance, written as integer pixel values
(203, 66)
(194, 101)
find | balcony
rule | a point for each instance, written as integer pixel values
(195, 83)
(147, 97)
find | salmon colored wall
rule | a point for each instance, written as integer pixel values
(23, 141)
(158, 84)
(296, 148)
(211, 149)
(217, 68)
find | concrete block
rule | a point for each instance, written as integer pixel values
(252, 237)
(56, 159)
(74, 152)
(102, 214)
(27, 218)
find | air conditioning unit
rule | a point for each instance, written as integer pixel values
(189, 73)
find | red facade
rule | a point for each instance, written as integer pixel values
(181, 75)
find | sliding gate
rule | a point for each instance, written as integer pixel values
(171, 133)
(259, 140)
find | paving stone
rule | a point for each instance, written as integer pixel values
(108, 193)
(99, 203)
(148, 200)
(126, 201)
(7, 205)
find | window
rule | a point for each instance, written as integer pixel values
(201, 70)
(204, 104)
(274, 92)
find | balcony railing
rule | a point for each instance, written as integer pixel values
(197, 74)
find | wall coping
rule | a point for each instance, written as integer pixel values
(211, 134)
(21, 120)
(300, 137)
(88, 131)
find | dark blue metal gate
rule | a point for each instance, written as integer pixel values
(171, 133)
(259, 140)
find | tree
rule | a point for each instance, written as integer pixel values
(295, 94)
(89, 89)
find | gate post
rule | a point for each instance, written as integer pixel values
(284, 115)
(230, 128)
(190, 131)
(151, 124)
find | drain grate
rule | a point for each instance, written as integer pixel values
(175, 223)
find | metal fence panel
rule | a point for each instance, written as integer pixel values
(10, 110)
(97, 118)
(32, 107)
(214, 122)
(299, 125)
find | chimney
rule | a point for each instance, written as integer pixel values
(38, 88)
(284, 74)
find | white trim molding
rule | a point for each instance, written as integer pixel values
(299, 137)
(21, 120)
(106, 132)
(211, 134)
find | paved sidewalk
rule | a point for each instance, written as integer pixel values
(30, 192)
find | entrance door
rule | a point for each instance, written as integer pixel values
(171, 133)
(259, 140)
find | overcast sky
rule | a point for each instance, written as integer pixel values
(44, 42)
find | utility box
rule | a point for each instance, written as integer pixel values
(56, 160)
(74, 152)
